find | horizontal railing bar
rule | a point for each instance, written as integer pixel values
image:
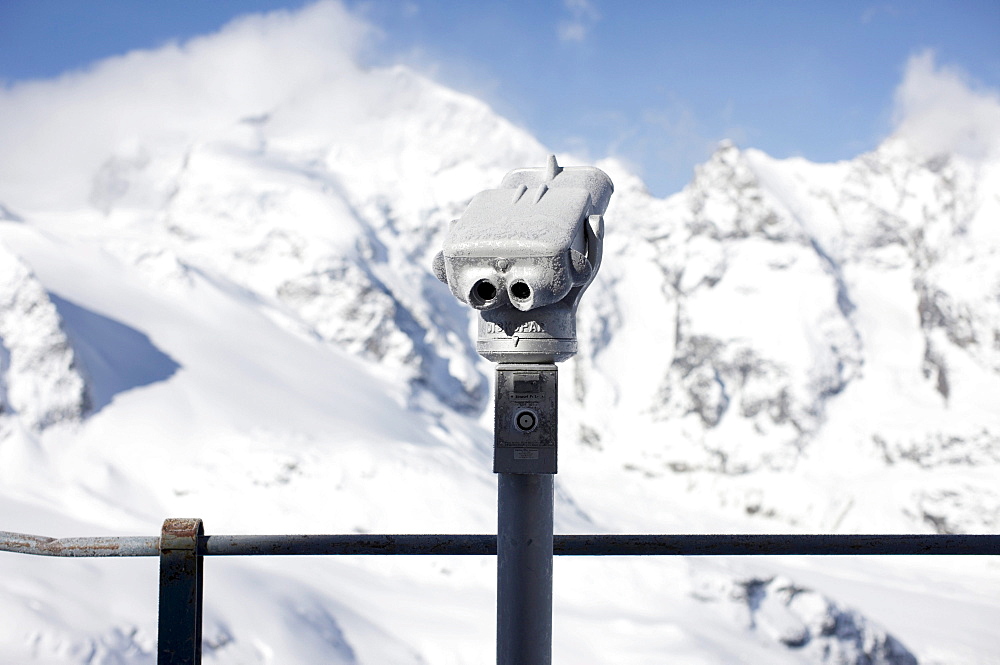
(459, 544)
(80, 547)
(777, 544)
(485, 544)
(605, 544)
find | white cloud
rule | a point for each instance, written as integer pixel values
(583, 15)
(61, 131)
(939, 110)
(875, 11)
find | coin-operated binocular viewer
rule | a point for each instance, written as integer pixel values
(523, 254)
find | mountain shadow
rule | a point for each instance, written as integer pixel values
(113, 357)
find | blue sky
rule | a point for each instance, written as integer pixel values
(654, 83)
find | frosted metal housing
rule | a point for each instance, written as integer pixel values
(523, 254)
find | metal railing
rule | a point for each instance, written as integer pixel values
(182, 546)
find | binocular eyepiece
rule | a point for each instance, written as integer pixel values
(523, 254)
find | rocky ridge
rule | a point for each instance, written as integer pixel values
(41, 384)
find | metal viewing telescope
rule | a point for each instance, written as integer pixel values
(523, 254)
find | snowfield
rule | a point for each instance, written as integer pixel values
(216, 301)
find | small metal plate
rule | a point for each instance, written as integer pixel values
(525, 418)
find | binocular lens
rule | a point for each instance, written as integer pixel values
(484, 290)
(520, 290)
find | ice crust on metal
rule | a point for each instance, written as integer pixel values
(523, 254)
(527, 227)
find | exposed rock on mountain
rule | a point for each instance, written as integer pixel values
(40, 381)
(804, 621)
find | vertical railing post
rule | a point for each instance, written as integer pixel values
(181, 587)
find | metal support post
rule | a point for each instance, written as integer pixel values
(525, 457)
(522, 255)
(524, 569)
(181, 587)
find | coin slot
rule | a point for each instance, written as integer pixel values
(527, 383)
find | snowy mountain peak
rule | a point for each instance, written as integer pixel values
(228, 292)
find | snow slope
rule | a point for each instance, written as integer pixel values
(218, 302)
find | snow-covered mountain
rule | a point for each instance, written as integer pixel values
(221, 305)
(833, 324)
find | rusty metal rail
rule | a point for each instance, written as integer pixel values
(182, 547)
(79, 547)
(485, 545)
